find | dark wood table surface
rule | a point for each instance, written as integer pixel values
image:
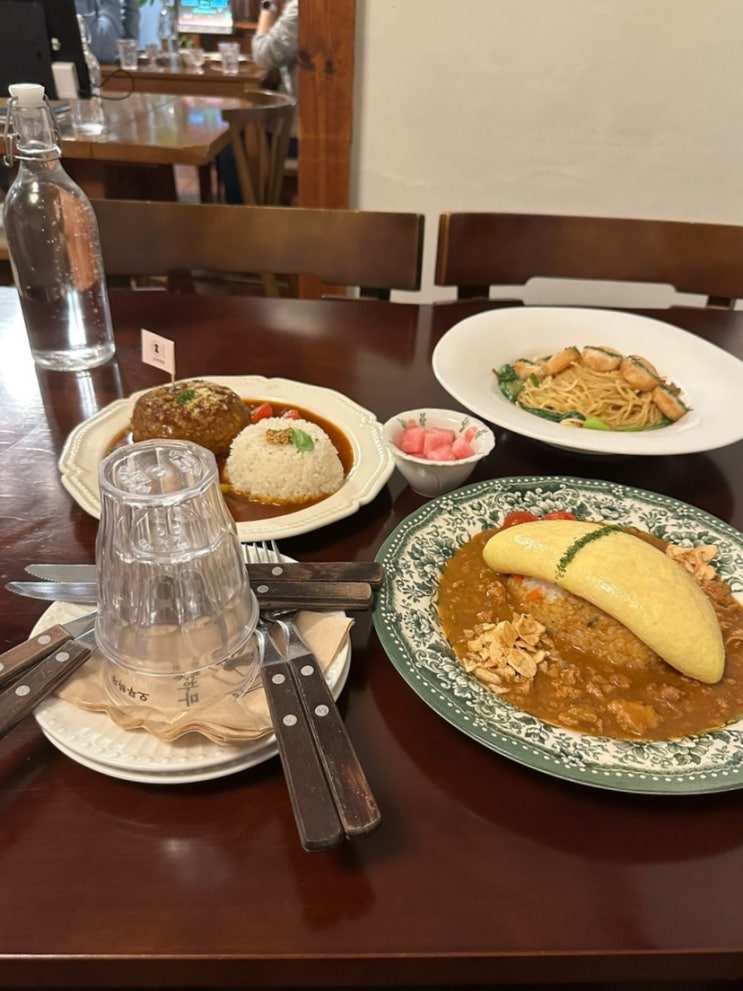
(483, 872)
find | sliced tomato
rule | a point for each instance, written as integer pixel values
(558, 514)
(291, 414)
(516, 517)
(261, 412)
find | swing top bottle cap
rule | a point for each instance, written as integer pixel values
(27, 94)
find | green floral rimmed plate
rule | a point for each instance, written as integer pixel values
(407, 624)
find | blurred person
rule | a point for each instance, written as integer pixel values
(274, 47)
(275, 42)
(109, 20)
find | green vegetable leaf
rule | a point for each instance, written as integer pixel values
(595, 423)
(302, 440)
(509, 382)
(185, 396)
(553, 415)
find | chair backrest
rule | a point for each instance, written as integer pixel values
(373, 251)
(478, 250)
(259, 135)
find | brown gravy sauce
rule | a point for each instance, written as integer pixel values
(598, 678)
(246, 510)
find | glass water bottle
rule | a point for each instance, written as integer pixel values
(167, 30)
(53, 243)
(88, 115)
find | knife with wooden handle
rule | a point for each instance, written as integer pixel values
(324, 596)
(22, 697)
(315, 813)
(351, 791)
(369, 572)
(14, 661)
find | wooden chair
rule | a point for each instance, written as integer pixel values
(259, 135)
(478, 250)
(373, 251)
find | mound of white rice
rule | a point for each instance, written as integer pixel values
(272, 462)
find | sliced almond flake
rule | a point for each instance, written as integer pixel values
(523, 663)
(506, 649)
(694, 559)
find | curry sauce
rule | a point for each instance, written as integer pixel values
(562, 659)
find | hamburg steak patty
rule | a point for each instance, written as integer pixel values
(196, 410)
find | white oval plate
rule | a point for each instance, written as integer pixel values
(711, 380)
(373, 464)
(408, 627)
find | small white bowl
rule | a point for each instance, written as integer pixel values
(431, 478)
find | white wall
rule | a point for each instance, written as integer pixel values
(616, 107)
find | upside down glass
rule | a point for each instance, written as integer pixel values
(174, 599)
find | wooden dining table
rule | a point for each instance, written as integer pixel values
(146, 135)
(166, 78)
(483, 872)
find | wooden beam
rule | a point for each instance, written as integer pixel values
(325, 76)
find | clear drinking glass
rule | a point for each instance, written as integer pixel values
(198, 57)
(152, 52)
(128, 55)
(174, 599)
(230, 52)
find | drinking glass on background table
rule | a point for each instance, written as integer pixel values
(197, 58)
(230, 52)
(152, 52)
(128, 55)
(174, 599)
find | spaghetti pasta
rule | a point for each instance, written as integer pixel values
(602, 394)
(582, 393)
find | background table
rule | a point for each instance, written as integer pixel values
(211, 82)
(483, 872)
(146, 131)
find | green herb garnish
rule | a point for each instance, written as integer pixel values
(185, 396)
(576, 545)
(301, 439)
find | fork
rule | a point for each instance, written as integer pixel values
(348, 783)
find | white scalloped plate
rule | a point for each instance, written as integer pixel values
(373, 464)
(711, 379)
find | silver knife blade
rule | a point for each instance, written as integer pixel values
(320, 596)
(63, 572)
(23, 655)
(370, 572)
(48, 674)
(56, 591)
